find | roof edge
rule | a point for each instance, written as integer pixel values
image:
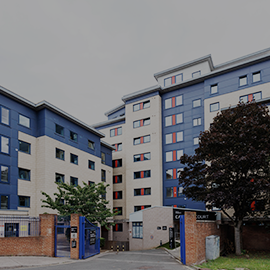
(115, 109)
(142, 92)
(107, 145)
(107, 122)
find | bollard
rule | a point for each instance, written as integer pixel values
(160, 243)
(123, 248)
(117, 248)
(111, 248)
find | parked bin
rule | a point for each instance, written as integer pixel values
(212, 247)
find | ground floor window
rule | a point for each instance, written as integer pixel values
(137, 230)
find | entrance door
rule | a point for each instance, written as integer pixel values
(182, 239)
(62, 239)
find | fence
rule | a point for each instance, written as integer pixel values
(13, 226)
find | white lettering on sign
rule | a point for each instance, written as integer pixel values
(202, 216)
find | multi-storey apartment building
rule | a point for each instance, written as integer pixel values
(155, 126)
(41, 145)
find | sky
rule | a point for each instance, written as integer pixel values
(83, 56)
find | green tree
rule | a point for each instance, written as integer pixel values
(88, 200)
(230, 168)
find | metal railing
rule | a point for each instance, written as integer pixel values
(14, 226)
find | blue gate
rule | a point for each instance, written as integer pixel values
(89, 239)
(62, 237)
(182, 239)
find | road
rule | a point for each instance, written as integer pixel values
(129, 260)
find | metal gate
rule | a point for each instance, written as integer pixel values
(89, 239)
(182, 239)
(62, 237)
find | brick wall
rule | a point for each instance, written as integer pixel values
(75, 221)
(42, 245)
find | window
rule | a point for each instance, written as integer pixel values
(60, 154)
(59, 130)
(196, 140)
(142, 105)
(73, 181)
(173, 155)
(173, 119)
(180, 192)
(103, 175)
(91, 183)
(140, 140)
(137, 230)
(173, 101)
(24, 121)
(91, 164)
(117, 179)
(117, 195)
(24, 174)
(169, 156)
(118, 147)
(73, 159)
(142, 122)
(116, 132)
(4, 202)
(59, 178)
(118, 210)
(91, 145)
(118, 227)
(103, 158)
(243, 80)
(141, 207)
(174, 79)
(172, 174)
(174, 137)
(196, 103)
(24, 147)
(214, 107)
(142, 157)
(142, 191)
(196, 74)
(180, 153)
(169, 192)
(197, 121)
(4, 145)
(4, 174)
(250, 97)
(214, 89)
(73, 136)
(4, 116)
(142, 174)
(256, 76)
(24, 201)
(117, 163)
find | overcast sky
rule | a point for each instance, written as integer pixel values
(83, 56)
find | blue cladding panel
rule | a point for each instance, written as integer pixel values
(142, 97)
(119, 113)
(108, 152)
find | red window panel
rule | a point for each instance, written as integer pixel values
(141, 157)
(115, 179)
(174, 155)
(116, 227)
(250, 97)
(141, 139)
(116, 163)
(142, 174)
(173, 119)
(141, 106)
(174, 192)
(142, 191)
(116, 195)
(253, 206)
(175, 206)
(141, 123)
(173, 101)
(115, 130)
(142, 207)
(174, 137)
(173, 79)
(174, 173)
(116, 149)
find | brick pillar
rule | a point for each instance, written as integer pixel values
(190, 235)
(47, 230)
(75, 222)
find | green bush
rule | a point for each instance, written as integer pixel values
(102, 242)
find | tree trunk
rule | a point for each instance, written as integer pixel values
(237, 238)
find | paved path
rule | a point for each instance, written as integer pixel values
(129, 260)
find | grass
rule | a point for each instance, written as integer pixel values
(167, 245)
(252, 261)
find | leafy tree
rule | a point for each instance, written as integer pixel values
(87, 200)
(230, 168)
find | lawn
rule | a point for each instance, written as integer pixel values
(167, 245)
(252, 261)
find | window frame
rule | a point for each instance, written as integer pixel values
(8, 201)
(76, 180)
(254, 74)
(28, 174)
(103, 157)
(62, 130)
(72, 156)
(26, 202)
(91, 145)
(73, 136)
(193, 102)
(63, 151)
(1, 145)
(141, 105)
(198, 119)
(212, 108)
(213, 86)
(137, 230)
(119, 179)
(5, 108)
(196, 74)
(119, 160)
(23, 117)
(119, 194)
(243, 77)
(112, 134)
(142, 173)
(103, 175)
(62, 178)
(91, 164)
(119, 210)
(26, 143)
(8, 174)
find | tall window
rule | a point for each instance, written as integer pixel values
(60, 154)
(4, 144)
(137, 230)
(24, 147)
(103, 158)
(214, 89)
(197, 121)
(256, 76)
(103, 175)
(91, 164)
(73, 136)
(4, 201)
(243, 80)
(73, 159)
(24, 121)
(91, 145)
(4, 116)
(73, 181)
(59, 130)
(4, 174)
